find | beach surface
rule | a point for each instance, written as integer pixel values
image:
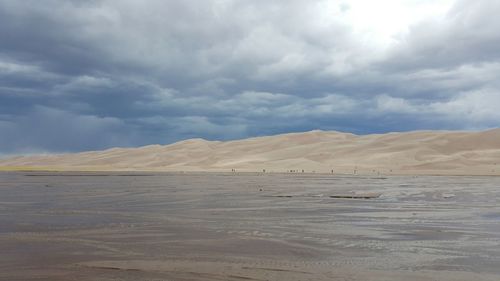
(247, 226)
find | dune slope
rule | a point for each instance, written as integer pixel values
(420, 152)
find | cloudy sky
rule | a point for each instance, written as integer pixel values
(86, 75)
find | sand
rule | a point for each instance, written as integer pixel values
(410, 153)
(244, 226)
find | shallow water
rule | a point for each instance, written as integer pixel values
(209, 226)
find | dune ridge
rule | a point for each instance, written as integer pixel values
(417, 152)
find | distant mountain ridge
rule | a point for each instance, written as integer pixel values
(417, 152)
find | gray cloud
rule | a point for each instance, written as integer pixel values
(467, 35)
(79, 75)
(48, 129)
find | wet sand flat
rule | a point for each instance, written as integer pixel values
(232, 226)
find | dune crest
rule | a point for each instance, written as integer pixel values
(418, 152)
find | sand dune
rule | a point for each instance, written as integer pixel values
(419, 152)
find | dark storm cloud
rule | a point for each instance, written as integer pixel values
(52, 129)
(78, 75)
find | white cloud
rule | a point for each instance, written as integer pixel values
(387, 104)
(475, 107)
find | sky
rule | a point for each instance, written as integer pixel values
(94, 74)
